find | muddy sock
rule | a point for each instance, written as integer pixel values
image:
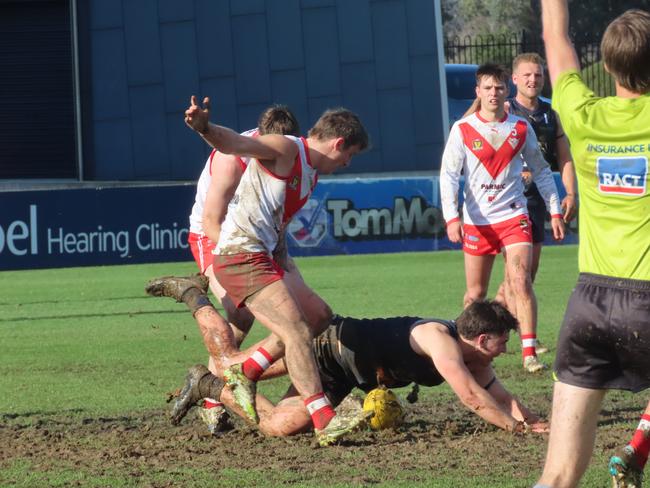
(641, 440)
(195, 299)
(528, 343)
(210, 386)
(320, 409)
(255, 365)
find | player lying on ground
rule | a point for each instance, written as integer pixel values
(393, 352)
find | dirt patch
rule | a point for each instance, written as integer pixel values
(146, 447)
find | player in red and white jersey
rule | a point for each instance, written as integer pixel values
(277, 184)
(488, 147)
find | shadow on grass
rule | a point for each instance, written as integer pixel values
(90, 315)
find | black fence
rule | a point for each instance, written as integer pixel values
(504, 48)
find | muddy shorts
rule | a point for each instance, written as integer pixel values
(333, 362)
(605, 337)
(201, 247)
(243, 275)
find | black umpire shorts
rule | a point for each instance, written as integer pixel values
(605, 337)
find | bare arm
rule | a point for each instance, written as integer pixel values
(434, 341)
(517, 409)
(565, 164)
(226, 173)
(560, 53)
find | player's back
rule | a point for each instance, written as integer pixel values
(610, 144)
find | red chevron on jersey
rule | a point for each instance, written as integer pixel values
(296, 197)
(494, 160)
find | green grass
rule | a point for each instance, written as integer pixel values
(87, 342)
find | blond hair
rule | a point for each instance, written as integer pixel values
(527, 58)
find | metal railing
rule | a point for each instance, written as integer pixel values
(503, 49)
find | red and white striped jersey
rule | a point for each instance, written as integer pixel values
(196, 217)
(264, 204)
(490, 156)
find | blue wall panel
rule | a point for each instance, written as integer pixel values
(391, 44)
(245, 7)
(186, 148)
(378, 58)
(110, 93)
(214, 38)
(175, 11)
(180, 64)
(320, 35)
(398, 141)
(290, 88)
(355, 31)
(141, 31)
(150, 149)
(113, 150)
(285, 35)
(421, 24)
(252, 61)
(105, 14)
(223, 101)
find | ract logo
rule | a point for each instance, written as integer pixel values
(622, 176)
(309, 225)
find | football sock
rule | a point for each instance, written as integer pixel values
(528, 342)
(195, 299)
(320, 409)
(641, 440)
(255, 365)
(211, 403)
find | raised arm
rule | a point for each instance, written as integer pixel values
(560, 53)
(227, 140)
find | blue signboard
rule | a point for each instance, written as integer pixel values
(59, 228)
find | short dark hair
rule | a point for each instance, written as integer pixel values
(278, 119)
(626, 50)
(492, 70)
(485, 317)
(341, 122)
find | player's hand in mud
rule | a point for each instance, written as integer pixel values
(197, 117)
(540, 427)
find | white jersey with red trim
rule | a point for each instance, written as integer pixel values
(490, 156)
(264, 204)
(196, 217)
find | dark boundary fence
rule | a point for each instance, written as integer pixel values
(503, 48)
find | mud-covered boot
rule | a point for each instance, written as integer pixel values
(533, 365)
(625, 469)
(243, 389)
(176, 286)
(341, 425)
(216, 419)
(199, 384)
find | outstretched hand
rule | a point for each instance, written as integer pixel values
(197, 117)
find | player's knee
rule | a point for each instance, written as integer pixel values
(273, 428)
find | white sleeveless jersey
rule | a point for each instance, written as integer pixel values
(196, 217)
(264, 204)
(490, 157)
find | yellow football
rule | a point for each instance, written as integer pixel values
(386, 407)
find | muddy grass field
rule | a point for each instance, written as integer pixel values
(87, 361)
(439, 445)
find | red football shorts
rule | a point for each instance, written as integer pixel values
(482, 240)
(242, 275)
(201, 247)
